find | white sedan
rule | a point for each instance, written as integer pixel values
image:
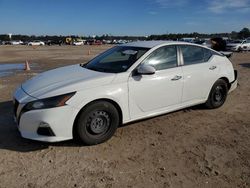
(36, 43)
(239, 47)
(79, 43)
(16, 42)
(126, 83)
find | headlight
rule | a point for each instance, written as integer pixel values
(51, 102)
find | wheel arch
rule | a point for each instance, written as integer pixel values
(211, 102)
(227, 81)
(114, 103)
(221, 78)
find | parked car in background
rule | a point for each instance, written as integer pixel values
(240, 46)
(106, 41)
(191, 40)
(122, 41)
(16, 42)
(6, 42)
(232, 44)
(79, 43)
(94, 42)
(199, 41)
(126, 83)
(207, 43)
(36, 43)
(53, 42)
(25, 43)
(97, 42)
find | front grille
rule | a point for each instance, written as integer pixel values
(16, 104)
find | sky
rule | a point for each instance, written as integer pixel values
(122, 17)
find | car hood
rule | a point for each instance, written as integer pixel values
(65, 80)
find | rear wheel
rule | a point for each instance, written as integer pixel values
(97, 123)
(218, 94)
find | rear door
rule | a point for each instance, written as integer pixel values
(200, 71)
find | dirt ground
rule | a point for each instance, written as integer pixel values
(194, 147)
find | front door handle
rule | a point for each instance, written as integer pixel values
(176, 78)
(212, 68)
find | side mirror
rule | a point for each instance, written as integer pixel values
(146, 69)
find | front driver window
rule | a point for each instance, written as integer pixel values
(163, 58)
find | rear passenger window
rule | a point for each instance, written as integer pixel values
(192, 55)
(163, 58)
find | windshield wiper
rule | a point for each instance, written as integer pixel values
(98, 69)
(83, 64)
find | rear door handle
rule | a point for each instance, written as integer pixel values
(176, 78)
(212, 68)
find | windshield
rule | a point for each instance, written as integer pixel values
(117, 59)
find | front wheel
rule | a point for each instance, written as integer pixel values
(240, 49)
(97, 123)
(218, 94)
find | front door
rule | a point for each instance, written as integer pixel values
(149, 94)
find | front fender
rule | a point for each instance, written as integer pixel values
(116, 93)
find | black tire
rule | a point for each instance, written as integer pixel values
(217, 95)
(97, 123)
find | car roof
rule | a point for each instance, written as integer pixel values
(153, 43)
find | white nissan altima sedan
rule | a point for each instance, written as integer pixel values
(126, 83)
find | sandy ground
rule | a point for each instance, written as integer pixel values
(194, 147)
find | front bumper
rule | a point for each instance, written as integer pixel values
(57, 119)
(48, 125)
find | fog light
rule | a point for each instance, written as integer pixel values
(43, 124)
(45, 130)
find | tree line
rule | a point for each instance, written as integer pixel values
(244, 33)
